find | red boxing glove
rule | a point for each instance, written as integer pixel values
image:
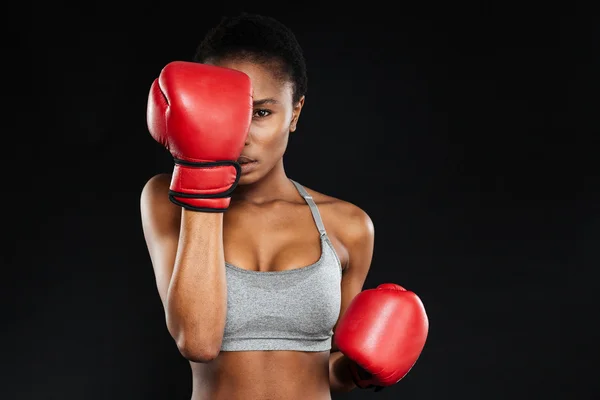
(201, 114)
(383, 331)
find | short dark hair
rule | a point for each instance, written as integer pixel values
(257, 38)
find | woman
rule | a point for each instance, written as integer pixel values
(228, 278)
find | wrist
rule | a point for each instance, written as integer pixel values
(340, 373)
(363, 379)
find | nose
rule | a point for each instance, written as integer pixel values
(247, 141)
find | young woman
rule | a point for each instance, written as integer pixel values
(253, 281)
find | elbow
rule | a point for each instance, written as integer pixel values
(198, 352)
(194, 343)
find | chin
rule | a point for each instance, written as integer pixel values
(248, 179)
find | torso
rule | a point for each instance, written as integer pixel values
(262, 375)
(273, 237)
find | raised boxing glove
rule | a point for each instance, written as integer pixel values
(201, 113)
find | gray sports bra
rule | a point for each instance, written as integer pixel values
(285, 310)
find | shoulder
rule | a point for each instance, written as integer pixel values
(157, 183)
(350, 223)
(156, 188)
(155, 195)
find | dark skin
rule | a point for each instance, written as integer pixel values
(268, 227)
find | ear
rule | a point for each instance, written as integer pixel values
(296, 114)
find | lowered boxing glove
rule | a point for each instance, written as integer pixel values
(383, 331)
(201, 114)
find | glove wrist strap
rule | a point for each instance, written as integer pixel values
(204, 179)
(204, 185)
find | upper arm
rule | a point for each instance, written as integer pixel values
(358, 238)
(160, 223)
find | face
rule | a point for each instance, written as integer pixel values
(275, 116)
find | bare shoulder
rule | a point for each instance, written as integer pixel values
(350, 223)
(154, 198)
(157, 184)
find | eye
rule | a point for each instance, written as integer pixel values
(261, 113)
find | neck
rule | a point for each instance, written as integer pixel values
(273, 186)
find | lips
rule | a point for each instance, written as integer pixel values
(244, 160)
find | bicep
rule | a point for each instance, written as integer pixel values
(359, 243)
(160, 225)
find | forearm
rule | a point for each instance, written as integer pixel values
(197, 294)
(340, 378)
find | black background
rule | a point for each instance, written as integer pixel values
(466, 133)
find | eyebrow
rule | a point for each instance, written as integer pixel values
(265, 101)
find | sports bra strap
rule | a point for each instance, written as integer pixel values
(313, 207)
